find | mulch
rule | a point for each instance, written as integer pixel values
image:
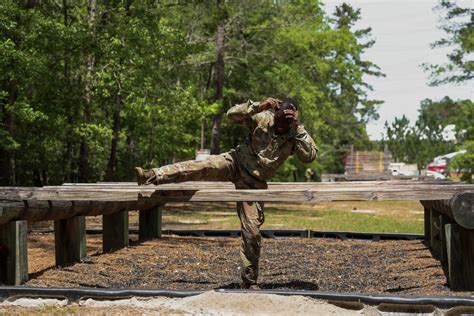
(191, 263)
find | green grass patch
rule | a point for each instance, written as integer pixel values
(377, 216)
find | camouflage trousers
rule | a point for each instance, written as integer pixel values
(225, 167)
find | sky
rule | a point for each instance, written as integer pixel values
(403, 30)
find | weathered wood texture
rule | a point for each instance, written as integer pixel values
(36, 204)
(435, 230)
(149, 223)
(312, 192)
(70, 240)
(35, 211)
(459, 208)
(460, 257)
(115, 231)
(427, 222)
(13, 253)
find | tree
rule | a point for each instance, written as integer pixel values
(458, 23)
(425, 140)
(464, 163)
(89, 89)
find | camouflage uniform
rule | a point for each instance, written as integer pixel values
(309, 174)
(248, 167)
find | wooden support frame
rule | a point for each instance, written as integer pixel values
(460, 257)
(14, 258)
(115, 231)
(150, 223)
(70, 240)
(444, 203)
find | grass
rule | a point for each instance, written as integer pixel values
(362, 216)
(376, 216)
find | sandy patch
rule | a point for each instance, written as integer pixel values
(209, 303)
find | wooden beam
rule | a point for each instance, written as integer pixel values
(37, 204)
(221, 184)
(115, 231)
(313, 193)
(70, 240)
(14, 253)
(150, 223)
(462, 209)
(35, 210)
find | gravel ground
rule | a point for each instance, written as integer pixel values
(189, 263)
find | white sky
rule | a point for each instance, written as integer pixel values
(403, 30)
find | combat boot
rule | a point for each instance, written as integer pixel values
(144, 176)
(248, 286)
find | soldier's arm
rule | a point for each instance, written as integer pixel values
(305, 147)
(243, 113)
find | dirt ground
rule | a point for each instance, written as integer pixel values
(190, 263)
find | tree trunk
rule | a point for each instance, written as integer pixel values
(113, 161)
(84, 149)
(216, 120)
(216, 134)
(112, 164)
(68, 152)
(203, 134)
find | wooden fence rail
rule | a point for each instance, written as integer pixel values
(449, 214)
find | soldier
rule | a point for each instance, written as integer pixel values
(309, 174)
(275, 133)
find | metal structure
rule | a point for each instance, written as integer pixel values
(368, 165)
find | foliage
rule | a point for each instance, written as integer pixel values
(458, 23)
(464, 163)
(86, 93)
(425, 140)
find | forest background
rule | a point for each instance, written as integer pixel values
(89, 88)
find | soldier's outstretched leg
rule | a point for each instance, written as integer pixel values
(215, 168)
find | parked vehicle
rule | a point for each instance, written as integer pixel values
(436, 175)
(440, 163)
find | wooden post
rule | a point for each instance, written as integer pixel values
(460, 253)
(467, 248)
(435, 233)
(442, 234)
(115, 231)
(13, 253)
(150, 222)
(427, 226)
(70, 240)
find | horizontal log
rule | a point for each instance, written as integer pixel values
(462, 207)
(11, 210)
(61, 202)
(219, 184)
(311, 193)
(459, 208)
(35, 211)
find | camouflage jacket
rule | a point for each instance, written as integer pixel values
(264, 151)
